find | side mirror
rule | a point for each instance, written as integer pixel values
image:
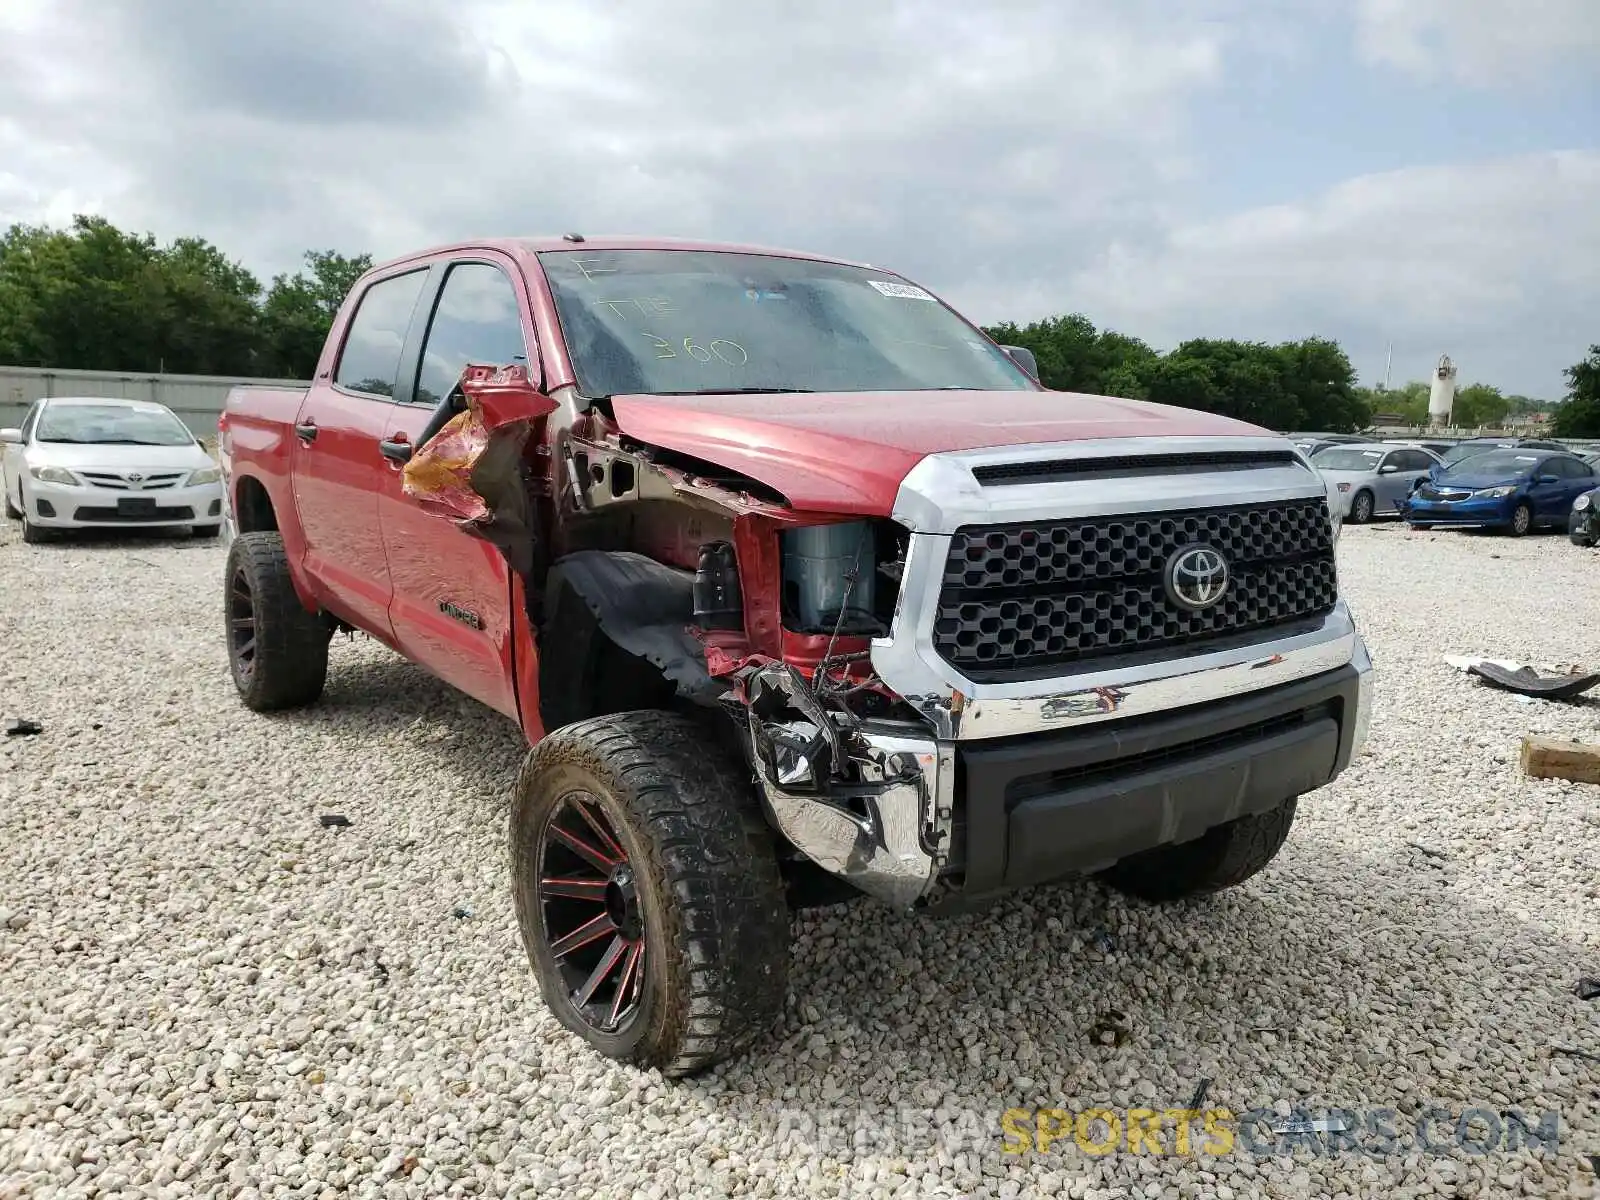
(1388, 469)
(1548, 479)
(11, 437)
(1023, 357)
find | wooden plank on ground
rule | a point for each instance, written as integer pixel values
(1546, 758)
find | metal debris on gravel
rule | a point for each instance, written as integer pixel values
(205, 994)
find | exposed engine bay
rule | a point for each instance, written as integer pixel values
(709, 584)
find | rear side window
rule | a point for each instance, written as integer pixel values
(370, 358)
(477, 320)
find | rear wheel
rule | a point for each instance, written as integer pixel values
(1361, 508)
(1521, 520)
(277, 651)
(647, 892)
(1221, 858)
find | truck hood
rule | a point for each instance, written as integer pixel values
(847, 452)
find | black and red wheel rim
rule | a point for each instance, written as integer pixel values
(592, 921)
(241, 624)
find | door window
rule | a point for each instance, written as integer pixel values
(369, 361)
(1414, 460)
(477, 320)
(1571, 468)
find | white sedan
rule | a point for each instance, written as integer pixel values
(1372, 479)
(95, 462)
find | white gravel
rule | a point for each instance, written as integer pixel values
(204, 992)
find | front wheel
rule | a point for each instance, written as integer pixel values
(1521, 520)
(1222, 857)
(1361, 508)
(648, 892)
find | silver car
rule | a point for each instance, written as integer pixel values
(1371, 480)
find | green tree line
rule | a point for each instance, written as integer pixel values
(93, 296)
(97, 298)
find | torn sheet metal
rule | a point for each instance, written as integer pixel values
(471, 471)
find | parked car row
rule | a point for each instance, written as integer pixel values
(1510, 484)
(98, 462)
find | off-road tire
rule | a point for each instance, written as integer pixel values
(716, 925)
(1525, 511)
(1221, 858)
(289, 663)
(1357, 517)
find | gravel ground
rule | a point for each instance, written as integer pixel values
(205, 992)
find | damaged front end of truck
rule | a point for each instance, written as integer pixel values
(656, 579)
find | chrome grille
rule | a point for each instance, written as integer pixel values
(123, 481)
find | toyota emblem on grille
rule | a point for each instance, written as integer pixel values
(135, 477)
(1196, 578)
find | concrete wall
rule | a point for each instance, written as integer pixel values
(196, 399)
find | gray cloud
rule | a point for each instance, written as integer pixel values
(305, 61)
(1021, 157)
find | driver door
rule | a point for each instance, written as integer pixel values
(451, 608)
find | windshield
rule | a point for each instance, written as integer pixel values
(1467, 450)
(112, 424)
(1346, 458)
(1499, 463)
(690, 322)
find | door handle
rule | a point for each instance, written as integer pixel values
(395, 449)
(306, 432)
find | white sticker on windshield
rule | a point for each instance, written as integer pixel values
(903, 290)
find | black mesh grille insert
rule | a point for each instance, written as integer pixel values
(1019, 598)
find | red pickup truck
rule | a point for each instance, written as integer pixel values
(799, 588)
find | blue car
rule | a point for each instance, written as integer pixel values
(1514, 489)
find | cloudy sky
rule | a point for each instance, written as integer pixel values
(1421, 172)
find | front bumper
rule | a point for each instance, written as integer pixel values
(1038, 809)
(63, 506)
(1583, 525)
(994, 815)
(1459, 512)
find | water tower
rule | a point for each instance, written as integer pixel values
(1442, 396)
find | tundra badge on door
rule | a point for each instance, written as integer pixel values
(465, 615)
